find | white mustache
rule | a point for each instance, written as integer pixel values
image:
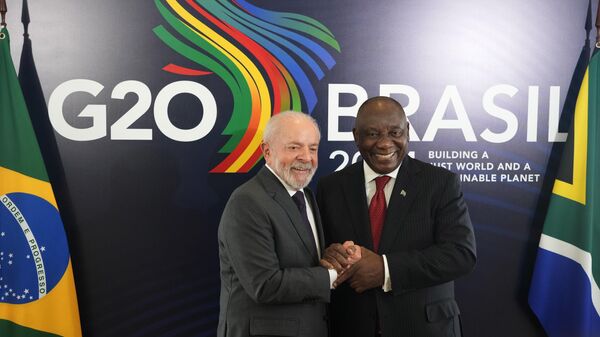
(302, 166)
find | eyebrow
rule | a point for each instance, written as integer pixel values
(301, 144)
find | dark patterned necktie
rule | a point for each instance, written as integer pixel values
(301, 204)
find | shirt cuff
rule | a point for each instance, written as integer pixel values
(387, 281)
(332, 277)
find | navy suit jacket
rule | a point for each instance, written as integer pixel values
(428, 241)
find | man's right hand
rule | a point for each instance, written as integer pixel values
(340, 256)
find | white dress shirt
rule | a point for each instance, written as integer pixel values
(370, 189)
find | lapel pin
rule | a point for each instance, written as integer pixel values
(403, 193)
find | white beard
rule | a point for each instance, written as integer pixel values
(286, 173)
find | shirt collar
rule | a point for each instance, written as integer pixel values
(288, 188)
(370, 174)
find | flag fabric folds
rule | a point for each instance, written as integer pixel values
(564, 292)
(37, 288)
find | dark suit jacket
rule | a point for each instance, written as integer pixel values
(428, 242)
(271, 281)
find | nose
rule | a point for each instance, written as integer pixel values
(384, 142)
(304, 154)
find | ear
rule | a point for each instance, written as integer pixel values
(266, 150)
(355, 135)
(407, 131)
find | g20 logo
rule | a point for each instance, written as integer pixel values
(122, 129)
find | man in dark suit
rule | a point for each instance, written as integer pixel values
(274, 281)
(414, 229)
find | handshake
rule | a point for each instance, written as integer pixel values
(361, 267)
(341, 257)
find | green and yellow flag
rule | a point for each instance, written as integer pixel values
(564, 290)
(37, 288)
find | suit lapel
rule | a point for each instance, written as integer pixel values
(278, 192)
(403, 195)
(356, 200)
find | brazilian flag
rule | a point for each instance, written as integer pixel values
(37, 288)
(564, 291)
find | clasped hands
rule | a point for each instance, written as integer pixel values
(361, 267)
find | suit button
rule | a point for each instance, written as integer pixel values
(325, 318)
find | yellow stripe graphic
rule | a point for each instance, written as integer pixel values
(258, 87)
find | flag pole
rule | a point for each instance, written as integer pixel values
(3, 11)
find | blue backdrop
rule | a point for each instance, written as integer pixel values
(152, 101)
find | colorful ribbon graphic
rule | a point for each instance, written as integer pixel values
(260, 55)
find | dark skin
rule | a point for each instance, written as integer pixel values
(365, 274)
(340, 256)
(381, 135)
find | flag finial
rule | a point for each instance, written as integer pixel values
(25, 18)
(3, 11)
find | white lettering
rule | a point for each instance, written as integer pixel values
(335, 111)
(94, 111)
(508, 117)
(461, 122)
(161, 111)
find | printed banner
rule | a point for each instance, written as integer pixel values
(158, 108)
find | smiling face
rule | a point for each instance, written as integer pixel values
(381, 134)
(291, 149)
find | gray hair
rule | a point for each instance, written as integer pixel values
(275, 123)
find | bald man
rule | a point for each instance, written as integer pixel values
(413, 226)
